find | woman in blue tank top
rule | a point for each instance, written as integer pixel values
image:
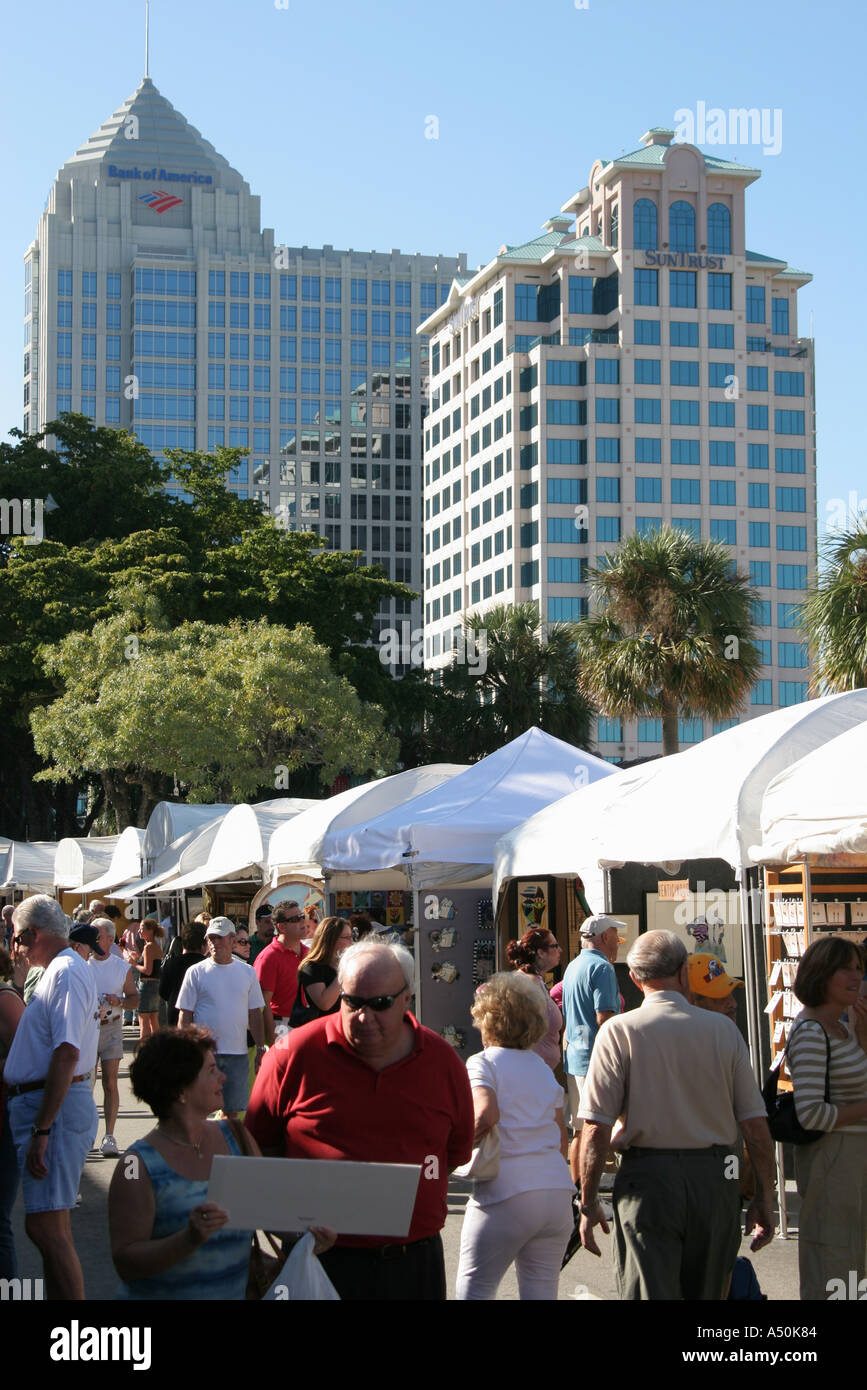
(167, 1241)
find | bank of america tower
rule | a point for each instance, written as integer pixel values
(154, 302)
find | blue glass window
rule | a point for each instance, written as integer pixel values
(685, 451)
(565, 491)
(791, 576)
(789, 383)
(112, 285)
(760, 576)
(648, 450)
(721, 415)
(719, 230)
(88, 316)
(239, 284)
(720, 335)
(717, 372)
(681, 289)
(690, 524)
(719, 291)
(761, 607)
(216, 344)
(648, 411)
(791, 538)
(765, 648)
(310, 288)
(647, 332)
(607, 489)
(239, 345)
(690, 730)
(288, 287)
(762, 693)
(789, 421)
(756, 304)
(757, 417)
(310, 319)
(64, 282)
(646, 289)
(381, 323)
(607, 410)
(723, 492)
(757, 455)
(112, 316)
(526, 303)
(650, 731)
(561, 373)
(309, 349)
(648, 489)
(64, 313)
(217, 313)
(789, 614)
(566, 451)
(792, 654)
(791, 499)
(757, 378)
(608, 371)
(561, 531)
(792, 692)
(780, 316)
(725, 531)
(685, 412)
(646, 525)
(646, 371)
(686, 491)
(609, 730)
(757, 495)
(333, 351)
(683, 373)
(645, 235)
(681, 226)
(683, 334)
(607, 449)
(790, 461)
(402, 324)
(557, 413)
(567, 609)
(608, 528)
(759, 535)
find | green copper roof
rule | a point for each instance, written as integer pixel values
(758, 259)
(590, 243)
(534, 250)
(654, 155)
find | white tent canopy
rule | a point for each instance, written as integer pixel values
(447, 834)
(125, 863)
(171, 820)
(79, 859)
(30, 865)
(183, 854)
(297, 846)
(240, 846)
(703, 803)
(818, 805)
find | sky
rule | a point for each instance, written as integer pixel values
(454, 127)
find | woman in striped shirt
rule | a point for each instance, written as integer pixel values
(831, 1173)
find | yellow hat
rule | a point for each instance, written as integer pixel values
(707, 976)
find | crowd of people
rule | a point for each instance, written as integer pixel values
(299, 1040)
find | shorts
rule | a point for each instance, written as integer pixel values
(236, 1087)
(574, 1087)
(109, 1046)
(149, 997)
(69, 1143)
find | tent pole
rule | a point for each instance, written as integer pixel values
(750, 974)
(416, 946)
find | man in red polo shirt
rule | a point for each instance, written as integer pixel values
(277, 966)
(371, 1084)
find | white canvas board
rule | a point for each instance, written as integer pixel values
(293, 1194)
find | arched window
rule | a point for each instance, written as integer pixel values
(719, 229)
(681, 226)
(615, 226)
(644, 225)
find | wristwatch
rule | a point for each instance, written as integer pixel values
(588, 1211)
(34, 1131)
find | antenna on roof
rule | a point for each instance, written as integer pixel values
(147, 36)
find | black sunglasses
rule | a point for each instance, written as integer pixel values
(379, 1003)
(289, 919)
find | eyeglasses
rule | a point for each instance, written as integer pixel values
(25, 937)
(282, 920)
(379, 1003)
(242, 941)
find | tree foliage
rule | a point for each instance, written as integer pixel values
(671, 633)
(835, 612)
(219, 712)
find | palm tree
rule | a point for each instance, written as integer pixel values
(834, 616)
(508, 675)
(670, 633)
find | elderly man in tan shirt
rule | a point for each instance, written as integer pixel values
(669, 1085)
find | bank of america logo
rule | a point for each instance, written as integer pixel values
(159, 202)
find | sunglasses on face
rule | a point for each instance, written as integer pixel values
(379, 1003)
(290, 919)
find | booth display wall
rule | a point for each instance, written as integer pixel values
(456, 953)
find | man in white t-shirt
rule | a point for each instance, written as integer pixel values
(115, 986)
(51, 1112)
(223, 995)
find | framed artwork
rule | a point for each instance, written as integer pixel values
(713, 926)
(532, 904)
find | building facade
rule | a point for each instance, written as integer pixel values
(635, 365)
(154, 302)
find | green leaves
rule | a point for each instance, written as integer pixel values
(671, 632)
(835, 612)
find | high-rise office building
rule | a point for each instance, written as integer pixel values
(632, 366)
(154, 302)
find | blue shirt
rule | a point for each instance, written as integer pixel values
(589, 988)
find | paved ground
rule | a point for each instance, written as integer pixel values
(585, 1277)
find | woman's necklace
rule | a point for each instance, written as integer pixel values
(184, 1143)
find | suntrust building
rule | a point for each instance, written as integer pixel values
(635, 365)
(153, 301)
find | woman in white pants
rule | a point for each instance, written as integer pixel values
(524, 1214)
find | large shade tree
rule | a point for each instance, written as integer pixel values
(835, 612)
(509, 672)
(670, 633)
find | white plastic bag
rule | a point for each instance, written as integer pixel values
(302, 1277)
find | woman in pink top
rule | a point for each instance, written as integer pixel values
(535, 955)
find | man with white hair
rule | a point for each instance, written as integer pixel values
(371, 1084)
(51, 1112)
(674, 1083)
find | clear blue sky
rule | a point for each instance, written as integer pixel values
(322, 107)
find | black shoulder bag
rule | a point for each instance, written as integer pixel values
(783, 1120)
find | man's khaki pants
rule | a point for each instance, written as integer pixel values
(676, 1224)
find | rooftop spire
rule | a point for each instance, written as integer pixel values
(147, 37)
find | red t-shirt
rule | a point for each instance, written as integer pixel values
(277, 969)
(316, 1098)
